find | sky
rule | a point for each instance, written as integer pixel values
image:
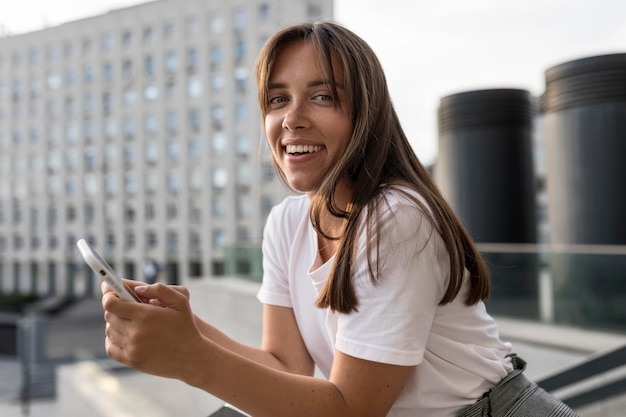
(430, 48)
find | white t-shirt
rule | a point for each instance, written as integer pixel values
(456, 348)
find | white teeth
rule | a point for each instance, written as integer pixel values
(302, 148)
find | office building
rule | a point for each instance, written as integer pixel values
(138, 130)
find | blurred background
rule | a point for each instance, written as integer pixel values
(135, 125)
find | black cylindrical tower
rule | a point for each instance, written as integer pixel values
(485, 163)
(485, 170)
(584, 129)
(584, 124)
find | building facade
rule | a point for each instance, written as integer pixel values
(138, 130)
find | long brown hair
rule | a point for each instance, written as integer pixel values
(378, 153)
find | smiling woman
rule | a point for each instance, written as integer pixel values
(368, 275)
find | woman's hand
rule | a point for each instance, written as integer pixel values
(159, 337)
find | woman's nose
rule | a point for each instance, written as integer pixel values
(295, 118)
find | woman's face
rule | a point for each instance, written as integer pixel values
(306, 129)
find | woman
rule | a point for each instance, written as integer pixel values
(368, 274)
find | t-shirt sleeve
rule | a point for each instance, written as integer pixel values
(395, 313)
(275, 285)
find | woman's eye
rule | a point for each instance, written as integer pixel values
(324, 97)
(277, 100)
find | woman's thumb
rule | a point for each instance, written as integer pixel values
(160, 294)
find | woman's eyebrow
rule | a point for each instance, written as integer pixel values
(314, 83)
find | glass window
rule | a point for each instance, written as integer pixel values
(217, 82)
(107, 72)
(194, 119)
(152, 181)
(150, 123)
(110, 128)
(129, 126)
(240, 49)
(70, 76)
(219, 238)
(218, 143)
(71, 186)
(68, 49)
(148, 64)
(88, 130)
(71, 132)
(89, 74)
(88, 103)
(220, 177)
(130, 97)
(264, 12)
(151, 151)
(171, 121)
(194, 86)
(71, 158)
(129, 154)
(53, 80)
(168, 31)
(243, 175)
(241, 111)
(191, 25)
(110, 185)
(87, 46)
(239, 19)
(107, 101)
(148, 34)
(108, 42)
(127, 68)
(130, 183)
(171, 63)
(195, 148)
(243, 144)
(110, 154)
(52, 53)
(217, 114)
(215, 56)
(173, 150)
(216, 22)
(151, 92)
(241, 78)
(173, 182)
(34, 56)
(90, 157)
(192, 59)
(127, 38)
(195, 178)
(92, 188)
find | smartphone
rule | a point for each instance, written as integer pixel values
(106, 273)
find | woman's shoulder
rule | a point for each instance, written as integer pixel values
(293, 206)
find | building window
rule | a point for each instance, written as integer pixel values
(264, 12)
(216, 22)
(127, 38)
(194, 119)
(192, 59)
(240, 50)
(171, 63)
(108, 42)
(91, 184)
(173, 182)
(241, 111)
(220, 178)
(150, 123)
(243, 145)
(171, 121)
(127, 69)
(173, 150)
(168, 31)
(151, 151)
(107, 72)
(215, 56)
(194, 87)
(241, 78)
(148, 65)
(130, 184)
(218, 143)
(147, 35)
(239, 19)
(151, 92)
